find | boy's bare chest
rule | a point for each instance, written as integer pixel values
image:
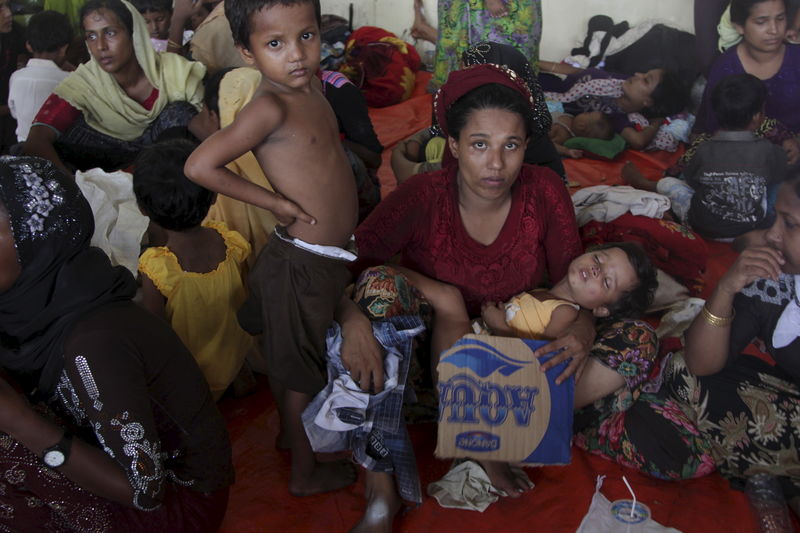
(311, 122)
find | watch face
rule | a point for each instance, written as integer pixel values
(54, 458)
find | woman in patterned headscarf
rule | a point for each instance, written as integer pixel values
(71, 335)
(540, 149)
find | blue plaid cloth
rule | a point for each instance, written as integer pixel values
(380, 443)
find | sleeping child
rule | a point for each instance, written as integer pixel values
(590, 124)
(611, 280)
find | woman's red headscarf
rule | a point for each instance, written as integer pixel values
(460, 82)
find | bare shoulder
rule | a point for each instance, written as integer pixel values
(265, 111)
(561, 318)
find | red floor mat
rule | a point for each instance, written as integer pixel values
(260, 501)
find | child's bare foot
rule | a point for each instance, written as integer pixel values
(383, 504)
(325, 477)
(633, 177)
(504, 479)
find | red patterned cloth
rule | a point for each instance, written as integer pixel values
(381, 65)
(60, 114)
(673, 248)
(421, 221)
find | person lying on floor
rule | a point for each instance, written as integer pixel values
(728, 186)
(655, 94)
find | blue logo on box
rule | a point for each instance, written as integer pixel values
(478, 441)
(483, 359)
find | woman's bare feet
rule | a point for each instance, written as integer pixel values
(325, 477)
(383, 504)
(633, 177)
(504, 479)
(421, 29)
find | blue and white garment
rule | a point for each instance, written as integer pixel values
(342, 417)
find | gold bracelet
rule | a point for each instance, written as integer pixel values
(717, 321)
(170, 42)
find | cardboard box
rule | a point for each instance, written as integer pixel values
(496, 404)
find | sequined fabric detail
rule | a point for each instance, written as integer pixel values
(33, 496)
(145, 470)
(120, 436)
(65, 397)
(41, 194)
(88, 382)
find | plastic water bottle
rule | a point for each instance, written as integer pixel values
(769, 507)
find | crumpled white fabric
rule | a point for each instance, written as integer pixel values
(679, 317)
(788, 327)
(668, 292)
(346, 395)
(466, 486)
(600, 519)
(605, 203)
(118, 224)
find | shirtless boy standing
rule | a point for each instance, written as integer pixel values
(301, 274)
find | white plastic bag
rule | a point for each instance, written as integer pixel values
(615, 517)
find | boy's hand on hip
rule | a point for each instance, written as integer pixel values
(287, 212)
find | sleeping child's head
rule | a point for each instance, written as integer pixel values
(594, 125)
(163, 191)
(738, 102)
(611, 280)
(157, 14)
(656, 93)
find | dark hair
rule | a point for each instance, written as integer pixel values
(634, 302)
(740, 10)
(48, 31)
(736, 100)
(211, 89)
(669, 97)
(240, 13)
(602, 128)
(163, 191)
(115, 6)
(489, 96)
(149, 6)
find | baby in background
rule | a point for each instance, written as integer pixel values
(590, 124)
(194, 281)
(301, 274)
(47, 37)
(611, 280)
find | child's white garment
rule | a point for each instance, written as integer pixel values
(28, 88)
